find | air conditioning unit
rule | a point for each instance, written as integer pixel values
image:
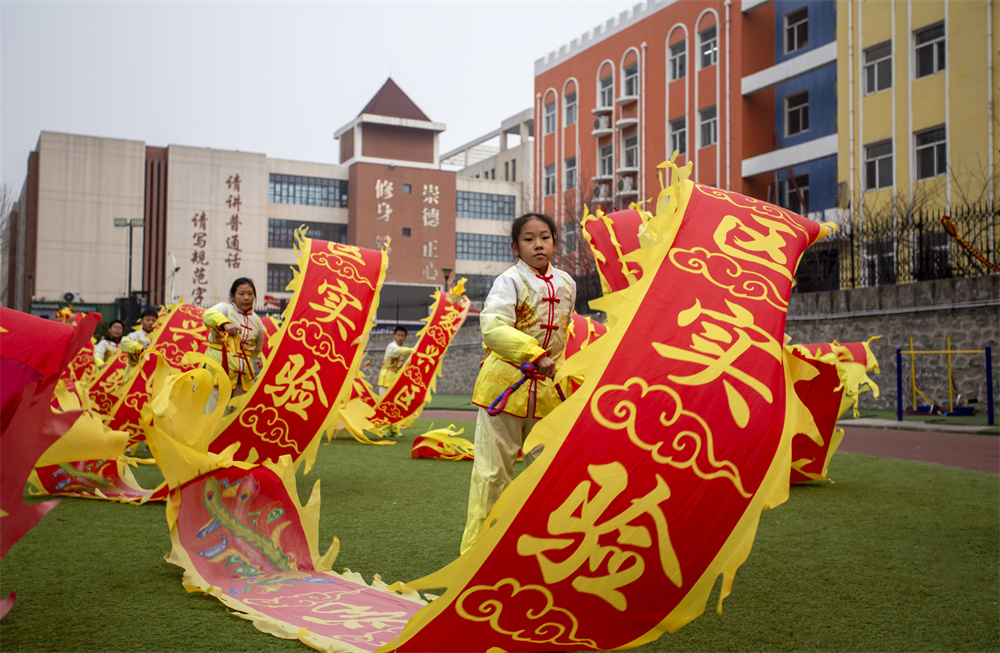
(602, 122)
(624, 184)
(601, 192)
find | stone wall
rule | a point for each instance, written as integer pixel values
(968, 310)
(461, 363)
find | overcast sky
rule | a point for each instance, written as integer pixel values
(271, 77)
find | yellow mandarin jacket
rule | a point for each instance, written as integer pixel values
(526, 316)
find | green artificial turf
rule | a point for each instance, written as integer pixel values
(451, 402)
(893, 556)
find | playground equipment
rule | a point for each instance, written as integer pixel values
(951, 384)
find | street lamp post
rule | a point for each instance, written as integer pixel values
(129, 224)
(447, 273)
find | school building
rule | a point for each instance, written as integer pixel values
(103, 218)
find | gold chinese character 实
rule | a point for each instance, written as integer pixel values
(337, 299)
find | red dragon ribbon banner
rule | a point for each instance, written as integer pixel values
(654, 474)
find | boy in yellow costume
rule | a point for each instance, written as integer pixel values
(525, 319)
(395, 357)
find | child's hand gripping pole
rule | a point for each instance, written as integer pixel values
(530, 371)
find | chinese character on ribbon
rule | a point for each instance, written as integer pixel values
(337, 298)
(582, 517)
(432, 217)
(233, 182)
(432, 194)
(383, 189)
(430, 249)
(295, 387)
(382, 212)
(723, 340)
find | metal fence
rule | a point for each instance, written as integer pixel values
(899, 247)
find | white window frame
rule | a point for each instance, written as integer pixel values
(877, 160)
(550, 117)
(630, 153)
(793, 30)
(873, 66)
(550, 179)
(801, 110)
(606, 159)
(606, 91)
(708, 47)
(569, 172)
(678, 135)
(791, 196)
(570, 108)
(630, 80)
(708, 132)
(935, 44)
(937, 150)
(678, 60)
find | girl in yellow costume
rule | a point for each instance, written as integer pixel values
(525, 318)
(236, 336)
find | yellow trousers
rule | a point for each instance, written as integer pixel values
(498, 440)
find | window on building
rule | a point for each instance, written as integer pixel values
(550, 179)
(570, 168)
(607, 91)
(550, 117)
(484, 206)
(632, 151)
(930, 50)
(796, 30)
(678, 135)
(878, 67)
(631, 82)
(797, 113)
(278, 277)
(932, 152)
(570, 103)
(407, 188)
(708, 42)
(878, 165)
(513, 170)
(311, 191)
(678, 60)
(709, 127)
(797, 195)
(880, 262)
(406, 232)
(607, 161)
(506, 170)
(482, 247)
(281, 233)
